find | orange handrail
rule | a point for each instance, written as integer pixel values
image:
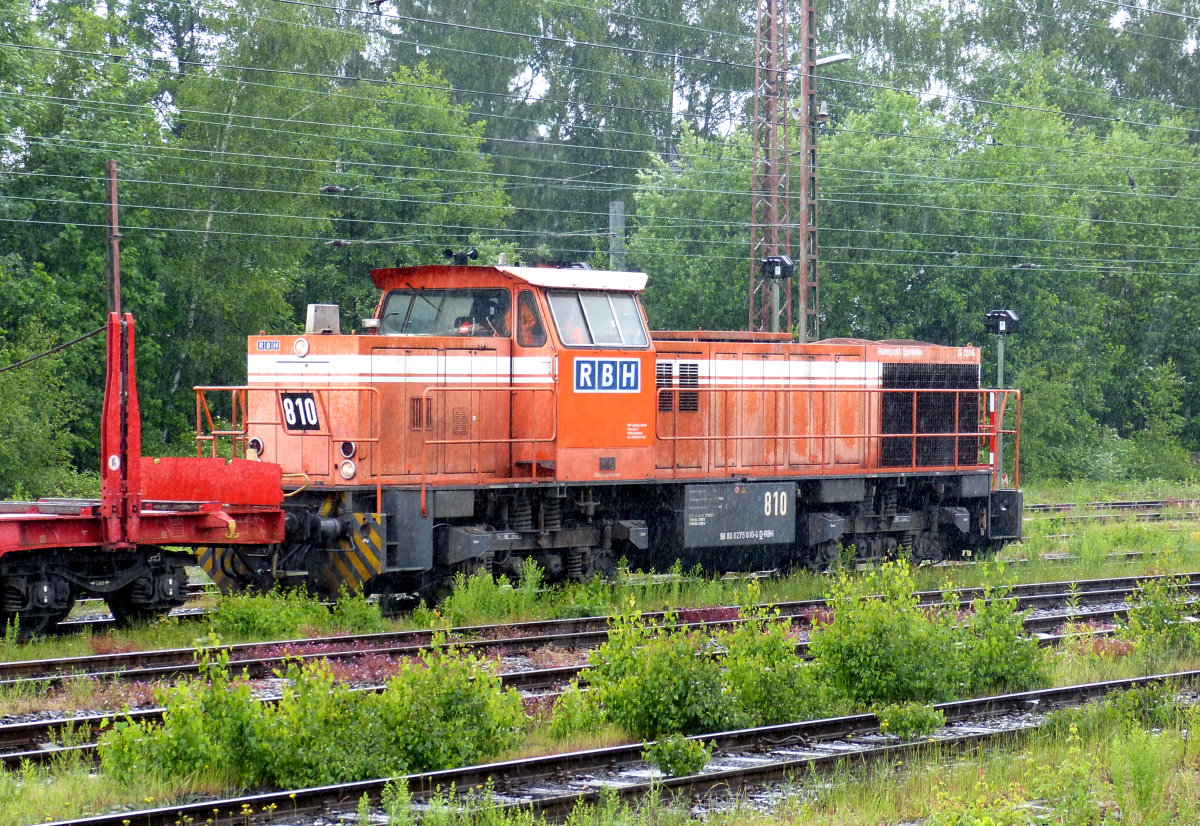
(505, 388)
(240, 422)
(984, 429)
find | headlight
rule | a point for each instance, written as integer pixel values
(347, 469)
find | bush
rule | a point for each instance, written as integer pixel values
(999, 656)
(678, 756)
(653, 681)
(441, 712)
(275, 615)
(356, 614)
(446, 710)
(212, 727)
(767, 682)
(482, 598)
(888, 648)
(575, 713)
(320, 732)
(910, 720)
(1157, 618)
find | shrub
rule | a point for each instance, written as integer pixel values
(441, 712)
(999, 655)
(212, 727)
(1157, 618)
(444, 711)
(481, 598)
(888, 648)
(767, 682)
(275, 615)
(356, 614)
(575, 712)
(653, 681)
(678, 756)
(320, 732)
(910, 720)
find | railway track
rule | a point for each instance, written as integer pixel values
(553, 785)
(263, 659)
(33, 741)
(1119, 505)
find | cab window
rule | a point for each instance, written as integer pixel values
(530, 330)
(475, 312)
(597, 319)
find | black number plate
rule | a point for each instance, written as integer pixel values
(299, 411)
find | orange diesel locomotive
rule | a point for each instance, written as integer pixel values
(488, 414)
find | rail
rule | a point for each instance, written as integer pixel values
(502, 388)
(989, 426)
(208, 433)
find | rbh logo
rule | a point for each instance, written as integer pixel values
(608, 376)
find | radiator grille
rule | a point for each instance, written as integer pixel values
(934, 414)
(663, 378)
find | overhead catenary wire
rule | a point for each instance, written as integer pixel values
(737, 259)
(573, 146)
(885, 204)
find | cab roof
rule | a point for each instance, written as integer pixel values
(450, 275)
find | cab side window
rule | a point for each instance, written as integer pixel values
(597, 319)
(530, 330)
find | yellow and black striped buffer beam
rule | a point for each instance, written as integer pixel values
(222, 565)
(359, 556)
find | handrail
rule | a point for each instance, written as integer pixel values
(239, 434)
(984, 429)
(506, 388)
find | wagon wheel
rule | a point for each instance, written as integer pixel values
(33, 625)
(136, 603)
(126, 612)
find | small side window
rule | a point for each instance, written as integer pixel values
(530, 331)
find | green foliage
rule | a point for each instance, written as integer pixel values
(443, 711)
(984, 807)
(357, 614)
(287, 614)
(1156, 620)
(1151, 706)
(447, 710)
(910, 720)
(678, 756)
(884, 647)
(998, 655)
(271, 616)
(575, 713)
(652, 681)
(481, 597)
(887, 648)
(1136, 760)
(211, 728)
(767, 682)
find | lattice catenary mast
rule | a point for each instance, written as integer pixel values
(775, 302)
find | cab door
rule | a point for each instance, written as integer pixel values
(532, 399)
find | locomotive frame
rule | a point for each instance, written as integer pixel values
(488, 414)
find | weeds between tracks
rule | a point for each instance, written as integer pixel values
(73, 796)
